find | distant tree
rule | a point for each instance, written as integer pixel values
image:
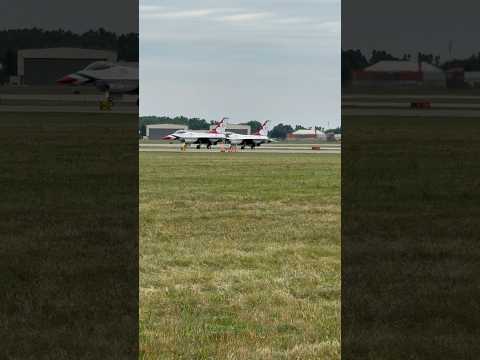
(337, 130)
(471, 63)
(299, 127)
(128, 47)
(280, 131)
(351, 60)
(198, 124)
(381, 55)
(10, 62)
(427, 58)
(254, 125)
(193, 123)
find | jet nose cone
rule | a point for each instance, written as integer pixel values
(69, 79)
(168, 137)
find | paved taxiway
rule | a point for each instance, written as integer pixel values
(68, 109)
(413, 112)
(81, 98)
(412, 96)
(407, 105)
(284, 149)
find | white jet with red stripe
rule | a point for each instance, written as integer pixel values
(213, 137)
(254, 140)
(110, 78)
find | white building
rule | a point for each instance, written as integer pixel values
(46, 66)
(236, 128)
(158, 131)
(472, 78)
(311, 133)
(400, 73)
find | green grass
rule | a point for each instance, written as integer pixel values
(239, 256)
(410, 195)
(69, 230)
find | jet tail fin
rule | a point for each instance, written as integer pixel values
(220, 127)
(263, 131)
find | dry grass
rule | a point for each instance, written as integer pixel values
(239, 256)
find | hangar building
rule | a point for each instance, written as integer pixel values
(46, 66)
(157, 131)
(311, 133)
(237, 128)
(400, 73)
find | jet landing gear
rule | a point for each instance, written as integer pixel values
(233, 148)
(209, 146)
(107, 104)
(199, 146)
(252, 146)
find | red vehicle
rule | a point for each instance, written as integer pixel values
(422, 104)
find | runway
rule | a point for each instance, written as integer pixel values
(464, 113)
(269, 149)
(413, 96)
(368, 104)
(68, 109)
(81, 98)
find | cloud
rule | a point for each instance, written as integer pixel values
(187, 14)
(333, 27)
(150, 8)
(292, 20)
(257, 52)
(246, 17)
(163, 12)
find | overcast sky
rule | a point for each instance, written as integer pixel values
(77, 16)
(245, 59)
(410, 26)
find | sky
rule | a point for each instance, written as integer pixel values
(410, 26)
(77, 16)
(275, 60)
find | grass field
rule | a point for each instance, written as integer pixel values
(239, 256)
(69, 230)
(410, 249)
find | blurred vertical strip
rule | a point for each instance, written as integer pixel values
(68, 180)
(410, 254)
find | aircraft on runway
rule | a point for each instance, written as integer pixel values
(213, 137)
(111, 78)
(257, 139)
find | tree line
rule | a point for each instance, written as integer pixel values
(12, 40)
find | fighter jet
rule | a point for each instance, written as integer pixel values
(110, 78)
(213, 137)
(257, 139)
